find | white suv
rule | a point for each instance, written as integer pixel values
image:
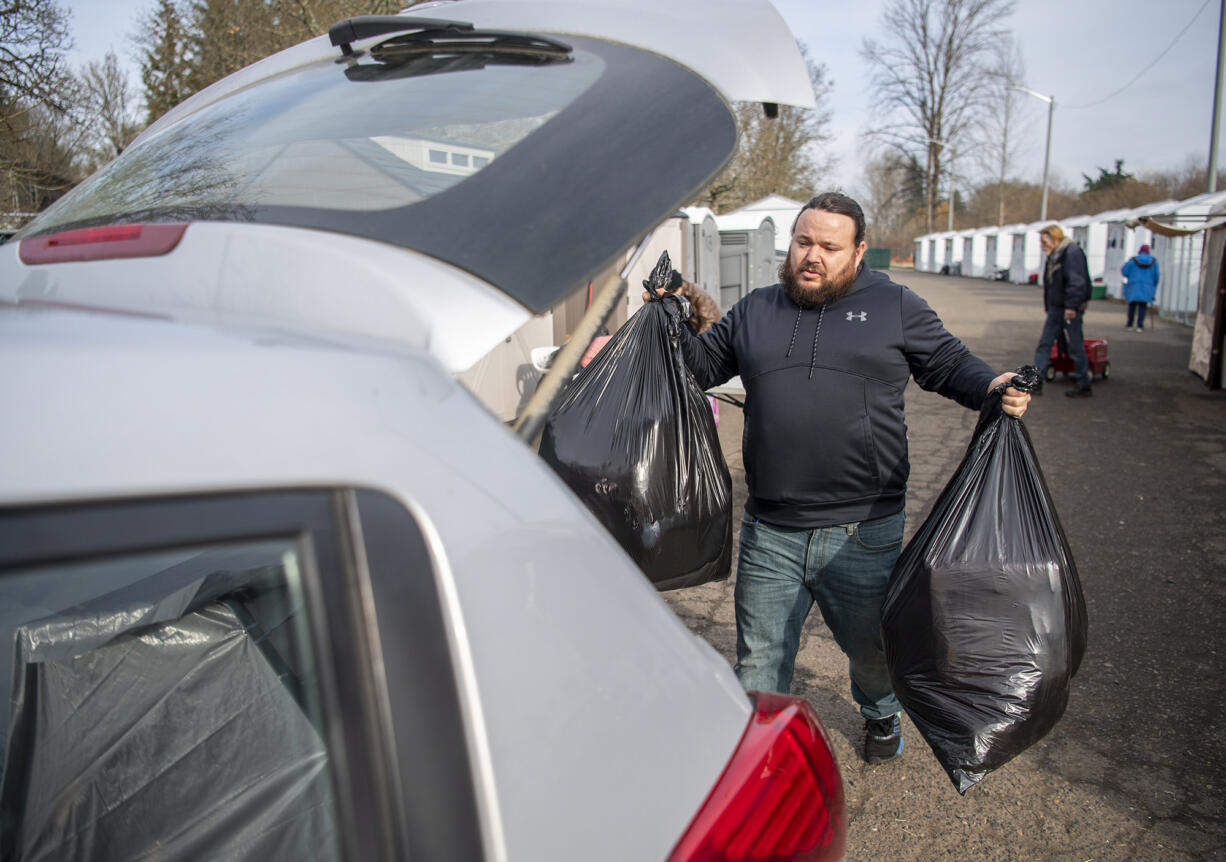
(273, 584)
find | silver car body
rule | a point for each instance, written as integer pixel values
(596, 723)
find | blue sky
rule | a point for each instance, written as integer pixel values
(1079, 51)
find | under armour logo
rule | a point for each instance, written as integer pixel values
(857, 315)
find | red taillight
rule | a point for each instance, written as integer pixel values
(101, 243)
(780, 797)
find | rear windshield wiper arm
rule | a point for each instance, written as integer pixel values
(345, 33)
(434, 36)
(448, 42)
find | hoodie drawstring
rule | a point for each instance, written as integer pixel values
(795, 328)
(821, 314)
(813, 359)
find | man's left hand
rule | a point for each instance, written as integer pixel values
(1014, 401)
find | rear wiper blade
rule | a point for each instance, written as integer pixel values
(449, 42)
(345, 33)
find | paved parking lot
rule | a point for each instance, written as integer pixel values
(1136, 768)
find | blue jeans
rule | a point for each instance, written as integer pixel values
(1138, 310)
(845, 569)
(1076, 344)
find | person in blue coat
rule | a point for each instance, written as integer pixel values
(1141, 277)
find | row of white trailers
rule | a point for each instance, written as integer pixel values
(1012, 253)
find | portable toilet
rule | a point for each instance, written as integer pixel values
(930, 253)
(1077, 229)
(1179, 257)
(746, 255)
(964, 241)
(1027, 256)
(990, 235)
(936, 252)
(1096, 249)
(700, 249)
(975, 258)
(943, 259)
(1017, 254)
(998, 248)
(782, 211)
(1033, 260)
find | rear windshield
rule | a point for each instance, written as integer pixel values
(325, 137)
(556, 163)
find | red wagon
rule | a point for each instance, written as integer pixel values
(1096, 353)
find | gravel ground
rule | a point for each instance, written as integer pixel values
(1135, 770)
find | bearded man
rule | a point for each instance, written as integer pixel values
(824, 357)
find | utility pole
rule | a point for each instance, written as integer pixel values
(953, 155)
(1217, 99)
(1051, 107)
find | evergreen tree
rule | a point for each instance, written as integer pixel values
(166, 59)
(1108, 179)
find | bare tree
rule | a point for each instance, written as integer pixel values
(777, 155)
(107, 103)
(895, 194)
(928, 78)
(34, 94)
(33, 38)
(1001, 116)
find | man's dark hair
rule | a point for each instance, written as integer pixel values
(838, 203)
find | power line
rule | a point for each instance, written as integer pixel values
(1146, 69)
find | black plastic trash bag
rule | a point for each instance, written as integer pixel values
(635, 439)
(984, 622)
(152, 722)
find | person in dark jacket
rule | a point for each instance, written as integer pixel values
(1141, 277)
(1066, 289)
(824, 357)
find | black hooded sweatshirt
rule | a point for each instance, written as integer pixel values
(825, 438)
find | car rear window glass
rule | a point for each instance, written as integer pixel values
(325, 138)
(532, 174)
(166, 700)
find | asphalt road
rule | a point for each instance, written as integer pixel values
(1136, 769)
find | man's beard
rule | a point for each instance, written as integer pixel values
(815, 297)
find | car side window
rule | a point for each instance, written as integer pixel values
(163, 701)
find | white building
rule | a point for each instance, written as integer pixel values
(1124, 237)
(1179, 257)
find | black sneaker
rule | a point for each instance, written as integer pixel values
(882, 739)
(1079, 392)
